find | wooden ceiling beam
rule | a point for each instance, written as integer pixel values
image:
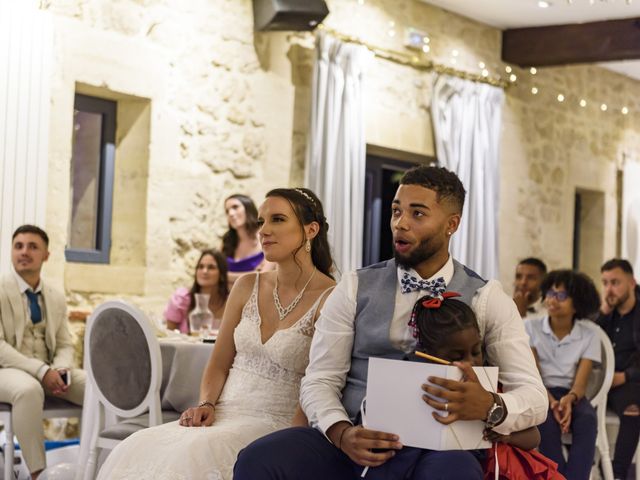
(576, 43)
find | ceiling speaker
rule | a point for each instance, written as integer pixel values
(288, 14)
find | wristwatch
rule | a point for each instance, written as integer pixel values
(496, 412)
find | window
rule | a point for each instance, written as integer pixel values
(92, 173)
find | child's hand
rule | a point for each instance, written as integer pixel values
(554, 405)
(565, 408)
(492, 436)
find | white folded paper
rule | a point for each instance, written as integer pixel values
(395, 405)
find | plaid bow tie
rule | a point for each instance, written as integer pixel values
(409, 283)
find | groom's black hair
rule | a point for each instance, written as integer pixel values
(445, 183)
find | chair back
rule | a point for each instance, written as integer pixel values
(602, 374)
(122, 360)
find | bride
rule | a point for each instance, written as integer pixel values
(251, 383)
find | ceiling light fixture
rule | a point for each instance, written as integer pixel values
(544, 4)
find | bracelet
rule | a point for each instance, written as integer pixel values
(206, 403)
(342, 435)
(575, 395)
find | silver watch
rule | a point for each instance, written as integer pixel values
(496, 412)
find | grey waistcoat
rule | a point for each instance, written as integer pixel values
(375, 305)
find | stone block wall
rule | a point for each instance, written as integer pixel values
(228, 112)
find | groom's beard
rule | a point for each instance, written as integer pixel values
(422, 252)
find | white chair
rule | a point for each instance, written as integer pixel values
(124, 368)
(613, 421)
(597, 390)
(53, 408)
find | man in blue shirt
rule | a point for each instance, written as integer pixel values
(620, 318)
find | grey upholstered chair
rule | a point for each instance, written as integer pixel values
(597, 390)
(124, 368)
(53, 408)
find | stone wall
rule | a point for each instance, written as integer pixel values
(228, 112)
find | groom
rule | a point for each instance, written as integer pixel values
(367, 316)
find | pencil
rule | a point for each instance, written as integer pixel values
(432, 358)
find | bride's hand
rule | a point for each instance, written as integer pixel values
(198, 416)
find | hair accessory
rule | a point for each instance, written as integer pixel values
(436, 302)
(306, 195)
(430, 302)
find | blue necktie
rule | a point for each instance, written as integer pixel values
(34, 306)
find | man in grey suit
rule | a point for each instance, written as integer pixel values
(36, 351)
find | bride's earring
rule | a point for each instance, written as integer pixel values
(307, 246)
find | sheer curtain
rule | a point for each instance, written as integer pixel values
(467, 123)
(336, 152)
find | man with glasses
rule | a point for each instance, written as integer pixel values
(36, 351)
(620, 318)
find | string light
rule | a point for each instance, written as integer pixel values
(583, 102)
(455, 53)
(603, 107)
(624, 110)
(481, 65)
(392, 32)
(508, 69)
(485, 72)
(513, 77)
(534, 90)
(426, 48)
(533, 70)
(560, 97)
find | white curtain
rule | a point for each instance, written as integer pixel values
(467, 123)
(631, 214)
(26, 54)
(336, 152)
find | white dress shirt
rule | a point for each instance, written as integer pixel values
(501, 328)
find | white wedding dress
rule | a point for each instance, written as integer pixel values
(259, 397)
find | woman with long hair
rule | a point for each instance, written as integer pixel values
(210, 278)
(251, 384)
(240, 242)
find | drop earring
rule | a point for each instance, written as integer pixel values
(307, 246)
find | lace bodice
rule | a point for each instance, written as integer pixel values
(265, 378)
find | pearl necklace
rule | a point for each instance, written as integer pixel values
(282, 311)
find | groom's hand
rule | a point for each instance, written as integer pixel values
(358, 444)
(464, 400)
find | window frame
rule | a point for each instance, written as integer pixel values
(102, 251)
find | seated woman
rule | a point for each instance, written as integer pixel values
(210, 278)
(240, 243)
(251, 384)
(565, 349)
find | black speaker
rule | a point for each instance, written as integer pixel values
(288, 14)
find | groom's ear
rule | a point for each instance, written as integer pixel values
(453, 222)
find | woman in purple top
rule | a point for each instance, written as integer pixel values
(211, 278)
(240, 243)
